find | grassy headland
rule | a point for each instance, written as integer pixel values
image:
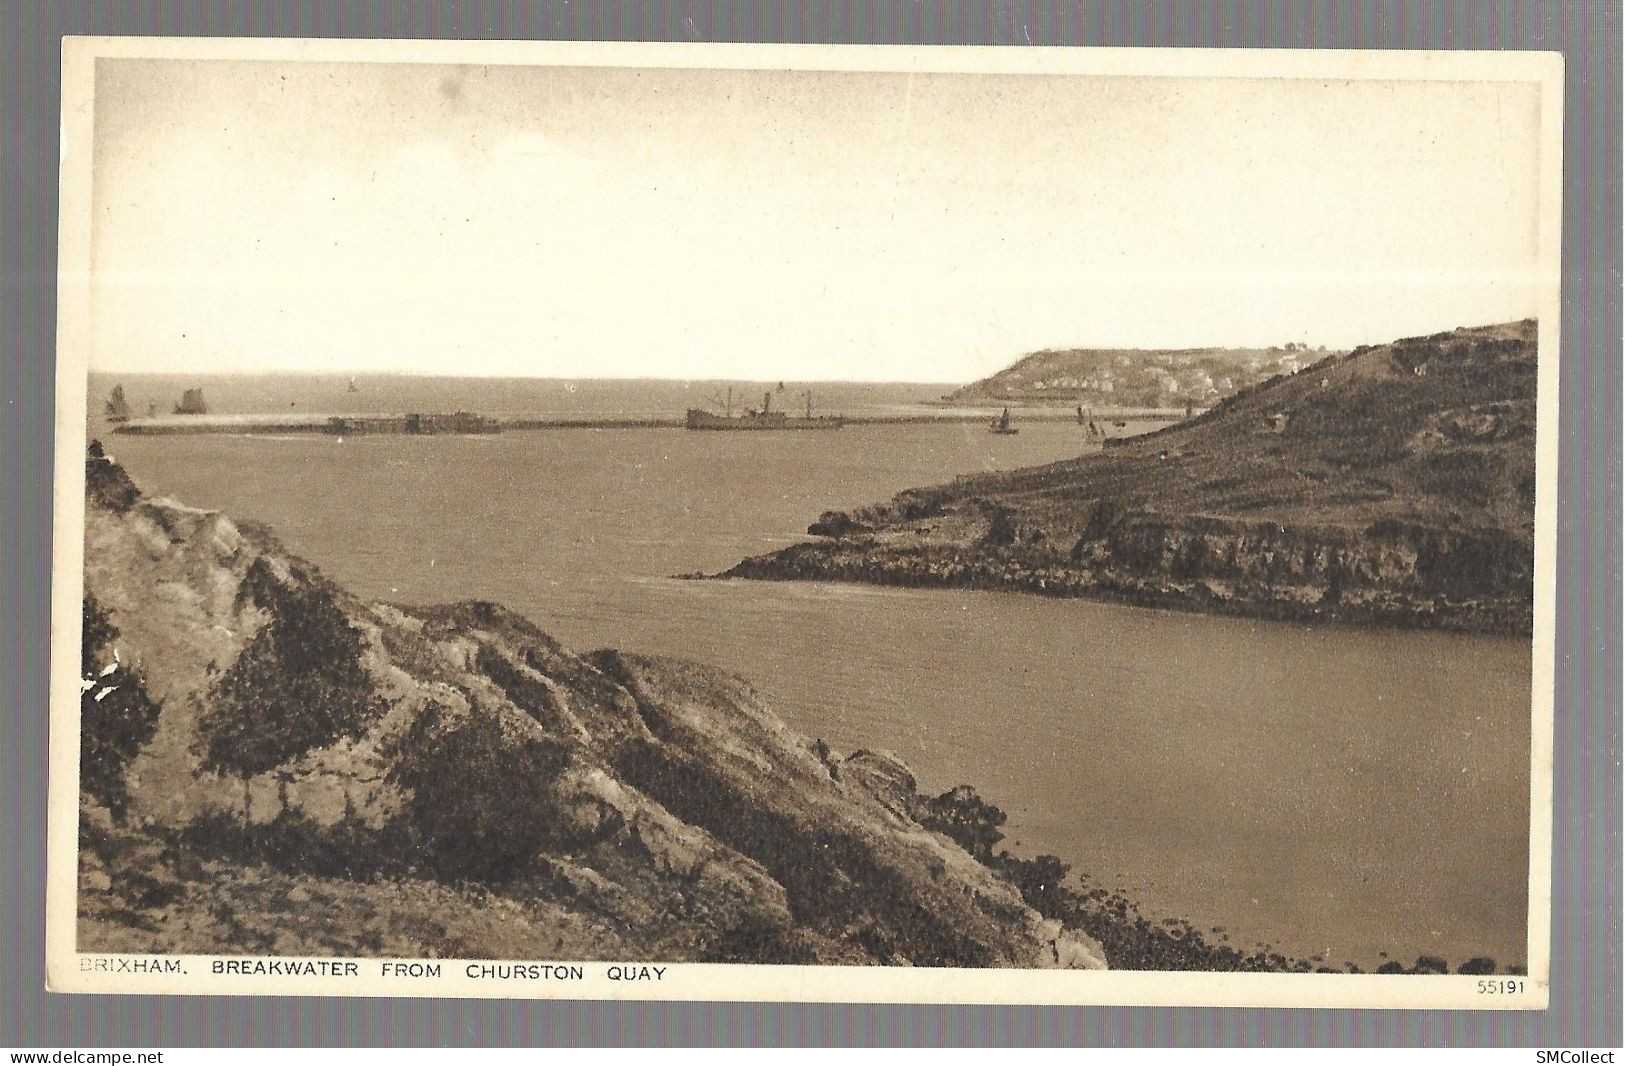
(1133, 377)
(1391, 485)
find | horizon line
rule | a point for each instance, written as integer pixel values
(262, 373)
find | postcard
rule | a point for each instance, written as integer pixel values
(700, 522)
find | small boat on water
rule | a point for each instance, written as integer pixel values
(352, 387)
(116, 409)
(1002, 426)
(762, 418)
(1092, 428)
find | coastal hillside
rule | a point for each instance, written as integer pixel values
(1392, 484)
(272, 765)
(1133, 377)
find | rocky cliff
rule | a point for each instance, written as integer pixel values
(274, 765)
(1390, 485)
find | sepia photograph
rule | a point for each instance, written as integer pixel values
(822, 523)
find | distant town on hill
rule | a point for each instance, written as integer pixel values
(1136, 377)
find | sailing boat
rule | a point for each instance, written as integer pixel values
(116, 409)
(192, 403)
(1002, 426)
(352, 387)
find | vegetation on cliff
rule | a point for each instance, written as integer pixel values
(116, 714)
(1392, 485)
(297, 686)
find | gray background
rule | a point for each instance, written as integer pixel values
(1586, 933)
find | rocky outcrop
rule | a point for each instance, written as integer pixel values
(1402, 576)
(1391, 485)
(451, 781)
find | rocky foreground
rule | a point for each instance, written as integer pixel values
(1390, 485)
(271, 765)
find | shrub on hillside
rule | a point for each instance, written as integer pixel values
(479, 802)
(297, 686)
(293, 841)
(106, 483)
(965, 818)
(116, 715)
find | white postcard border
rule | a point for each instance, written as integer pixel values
(71, 971)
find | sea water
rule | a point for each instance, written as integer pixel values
(1329, 790)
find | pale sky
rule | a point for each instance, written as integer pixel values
(569, 222)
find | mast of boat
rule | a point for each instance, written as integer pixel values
(809, 404)
(729, 408)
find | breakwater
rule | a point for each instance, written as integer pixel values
(468, 422)
(332, 424)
